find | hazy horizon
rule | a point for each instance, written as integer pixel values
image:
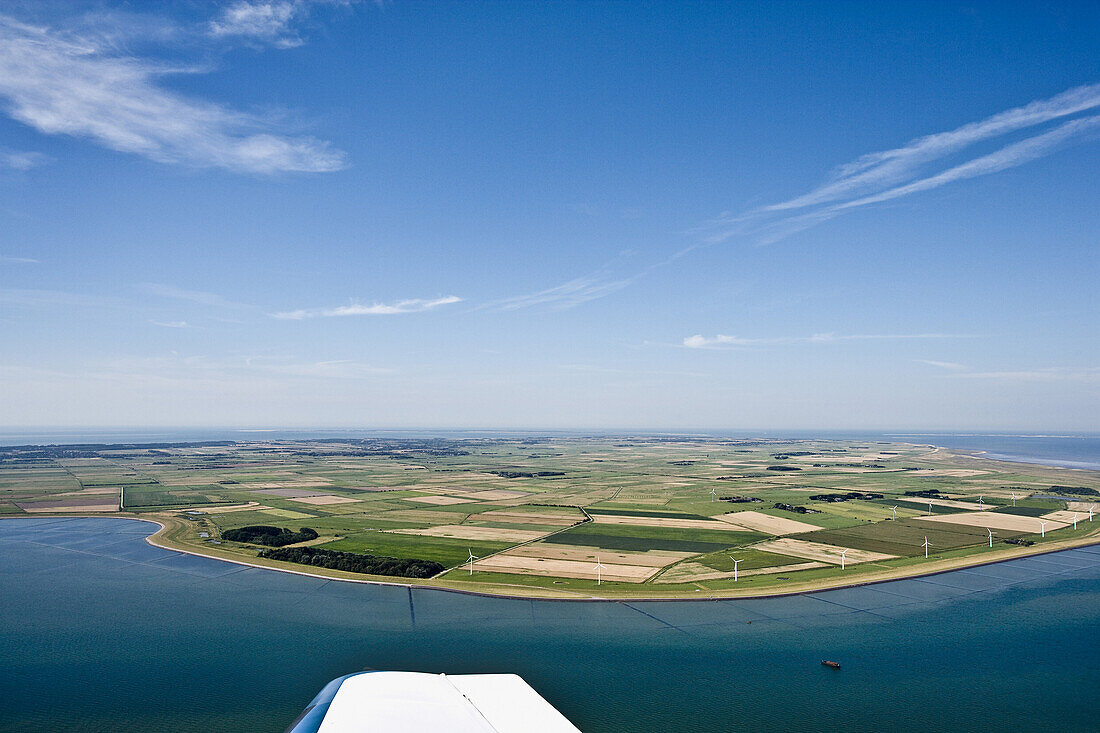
(597, 216)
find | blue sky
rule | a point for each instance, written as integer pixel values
(665, 216)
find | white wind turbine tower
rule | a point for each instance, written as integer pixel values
(599, 574)
(1075, 520)
(981, 504)
(713, 495)
(1013, 498)
(990, 536)
(471, 560)
(929, 508)
(735, 562)
(842, 554)
(926, 545)
(894, 509)
(1043, 528)
(1091, 506)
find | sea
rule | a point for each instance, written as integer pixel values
(100, 631)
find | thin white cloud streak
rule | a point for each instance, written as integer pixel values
(171, 324)
(893, 174)
(1045, 374)
(722, 341)
(943, 364)
(890, 166)
(200, 297)
(62, 84)
(567, 295)
(19, 260)
(413, 305)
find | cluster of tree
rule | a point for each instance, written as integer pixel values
(1084, 490)
(795, 509)
(527, 474)
(788, 454)
(925, 493)
(354, 563)
(682, 463)
(1019, 541)
(846, 497)
(739, 499)
(783, 468)
(259, 534)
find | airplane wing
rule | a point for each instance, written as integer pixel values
(408, 702)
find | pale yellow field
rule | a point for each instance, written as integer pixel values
(1068, 516)
(819, 551)
(468, 532)
(91, 492)
(564, 568)
(529, 518)
(1083, 506)
(766, 523)
(953, 503)
(326, 499)
(693, 571)
(492, 494)
(440, 500)
(993, 520)
(664, 522)
(652, 558)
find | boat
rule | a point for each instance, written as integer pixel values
(827, 663)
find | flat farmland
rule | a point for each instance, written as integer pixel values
(662, 513)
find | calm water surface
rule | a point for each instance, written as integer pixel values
(100, 631)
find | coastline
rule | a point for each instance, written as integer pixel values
(156, 539)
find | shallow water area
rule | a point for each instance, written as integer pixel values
(100, 630)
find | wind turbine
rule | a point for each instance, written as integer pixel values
(735, 561)
(471, 560)
(1013, 498)
(1043, 528)
(1091, 506)
(894, 509)
(990, 536)
(926, 545)
(1075, 520)
(929, 508)
(842, 554)
(599, 575)
(981, 504)
(713, 495)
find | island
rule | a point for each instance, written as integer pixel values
(571, 516)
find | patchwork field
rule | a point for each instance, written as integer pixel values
(663, 515)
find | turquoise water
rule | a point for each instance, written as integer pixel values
(100, 631)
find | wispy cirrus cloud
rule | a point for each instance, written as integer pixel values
(954, 366)
(64, 83)
(267, 21)
(920, 165)
(567, 295)
(201, 297)
(18, 260)
(171, 324)
(412, 305)
(20, 160)
(722, 341)
(1043, 374)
